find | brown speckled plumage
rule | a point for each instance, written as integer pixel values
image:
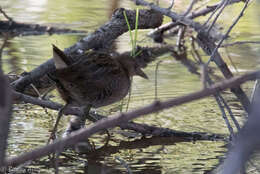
(97, 79)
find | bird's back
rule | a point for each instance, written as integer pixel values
(95, 79)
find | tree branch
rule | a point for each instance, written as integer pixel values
(101, 38)
(118, 119)
(5, 115)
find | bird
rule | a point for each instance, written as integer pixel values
(96, 79)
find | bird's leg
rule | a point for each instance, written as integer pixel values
(78, 122)
(53, 132)
(86, 114)
(93, 119)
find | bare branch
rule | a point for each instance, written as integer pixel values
(206, 43)
(192, 15)
(193, 2)
(141, 128)
(5, 15)
(101, 38)
(219, 13)
(240, 43)
(5, 115)
(247, 141)
(214, 11)
(177, 18)
(112, 121)
(228, 31)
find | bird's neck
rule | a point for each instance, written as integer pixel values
(128, 68)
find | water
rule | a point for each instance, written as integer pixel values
(31, 125)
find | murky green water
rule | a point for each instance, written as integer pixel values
(31, 125)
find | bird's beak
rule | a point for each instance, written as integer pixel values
(140, 73)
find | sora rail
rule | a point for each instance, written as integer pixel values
(96, 79)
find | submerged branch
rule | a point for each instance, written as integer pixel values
(144, 129)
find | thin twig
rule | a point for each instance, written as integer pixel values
(178, 18)
(192, 15)
(246, 143)
(207, 79)
(193, 2)
(180, 38)
(240, 43)
(124, 163)
(230, 59)
(172, 3)
(204, 76)
(221, 99)
(230, 112)
(228, 31)
(218, 14)
(5, 15)
(224, 116)
(156, 80)
(255, 88)
(196, 54)
(214, 11)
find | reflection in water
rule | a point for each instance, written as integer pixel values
(31, 125)
(14, 59)
(142, 156)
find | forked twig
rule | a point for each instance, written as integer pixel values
(5, 15)
(228, 31)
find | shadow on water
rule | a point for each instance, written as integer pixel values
(134, 156)
(31, 125)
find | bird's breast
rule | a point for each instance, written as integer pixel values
(113, 92)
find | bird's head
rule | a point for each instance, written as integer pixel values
(131, 66)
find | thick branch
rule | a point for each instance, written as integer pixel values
(205, 43)
(175, 17)
(24, 29)
(140, 128)
(112, 121)
(5, 115)
(101, 38)
(247, 141)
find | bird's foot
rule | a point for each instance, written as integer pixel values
(84, 147)
(76, 123)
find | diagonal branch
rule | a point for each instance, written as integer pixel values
(101, 38)
(112, 121)
(144, 129)
(206, 43)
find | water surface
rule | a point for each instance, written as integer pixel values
(31, 125)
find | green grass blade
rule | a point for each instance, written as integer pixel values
(136, 29)
(129, 28)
